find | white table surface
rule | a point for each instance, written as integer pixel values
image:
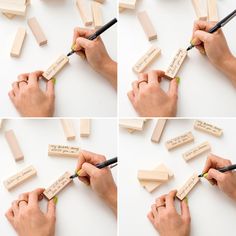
(79, 210)
(213, 213)
(80, 91)
(203, 90)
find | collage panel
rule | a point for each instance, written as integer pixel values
(38, 157)
(158, 156)
(153, 39)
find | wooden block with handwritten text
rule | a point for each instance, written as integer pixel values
(208, 128)
(63, 151)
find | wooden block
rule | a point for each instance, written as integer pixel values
(121, 9)
(14, 146)
(100, 1)
(12, 8)
(18, 42)
(200, 9)
(68, 129)
(97, 14)
(179, 141)
(152, 175)
(56, 67)
(37, 31)
(1, 122)
(146, 59)
(208, 128)
(187, 187)
(196, 151)
(157, 132)
(57, 186)
(147, 25)
(130, 4)
(212, 10)
(8, 15)
(175, 64)
(19, 178)
(63, 151)
(85, 12)
(20, 2)
(135, 124)
(150, 186)
(85, 127)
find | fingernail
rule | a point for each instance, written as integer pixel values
(54, 80)
(205, 175)
(55, 199)
(178, 80)
(186, 200)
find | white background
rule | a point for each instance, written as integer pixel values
(80, 91)
(203, 90)
(79, 210)
(212, 212)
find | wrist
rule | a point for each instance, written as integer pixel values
(111, 199)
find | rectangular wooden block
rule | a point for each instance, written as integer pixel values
(179, 141)
(19, 178)
(12, 8)
(175, 64)
(200, 9)
(208, 128)
(100, 1)
(63, 151)
(157, 132)
(85, 12)
(130, 4)
(57, 186)
(212, 10)
(56, 67)
(14, 145)
(150, 186)
(85, 127)
(147, 25)
(68, 129)
(152, 175)
(196, 151)
(97, 14)
(37, 31)
(187, 187)
(18, 42)
(1, 122)
(146, 59)
(8, 15)
(134, 124)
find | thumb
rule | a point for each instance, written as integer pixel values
(50, 88)
(83, 43)
(51, 209)
(201, 36)
(173, 88)
(214, 174)
(89, 169)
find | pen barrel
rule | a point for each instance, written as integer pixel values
(227, 168)
(106, 163)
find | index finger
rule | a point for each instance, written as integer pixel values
(81, 32)
(215, 162)
(90, 157)
(170, 198)
(34, 197)
(202, 25)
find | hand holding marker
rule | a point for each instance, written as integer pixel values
(100, 166)
(222, 170)
(97, 33)
(218, 26)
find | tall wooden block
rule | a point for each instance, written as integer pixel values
(152, 175)
(14, 145)
(130, 4)
(12, 8)
(19, 178)
(68, 129)
(157, 132)
(97, 14)
(200, 9)
(134, 124)
(18, 42)
(147, 25)
(212, 10)
(85, 12)
(85, 127)
(57, 186)
(37, 31)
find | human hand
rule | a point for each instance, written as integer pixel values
(149, 99)
(225, 181)
(26, 217)
(29, 99)
(95, 53)
(100, 180)
(166, 220)
(215, 47)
